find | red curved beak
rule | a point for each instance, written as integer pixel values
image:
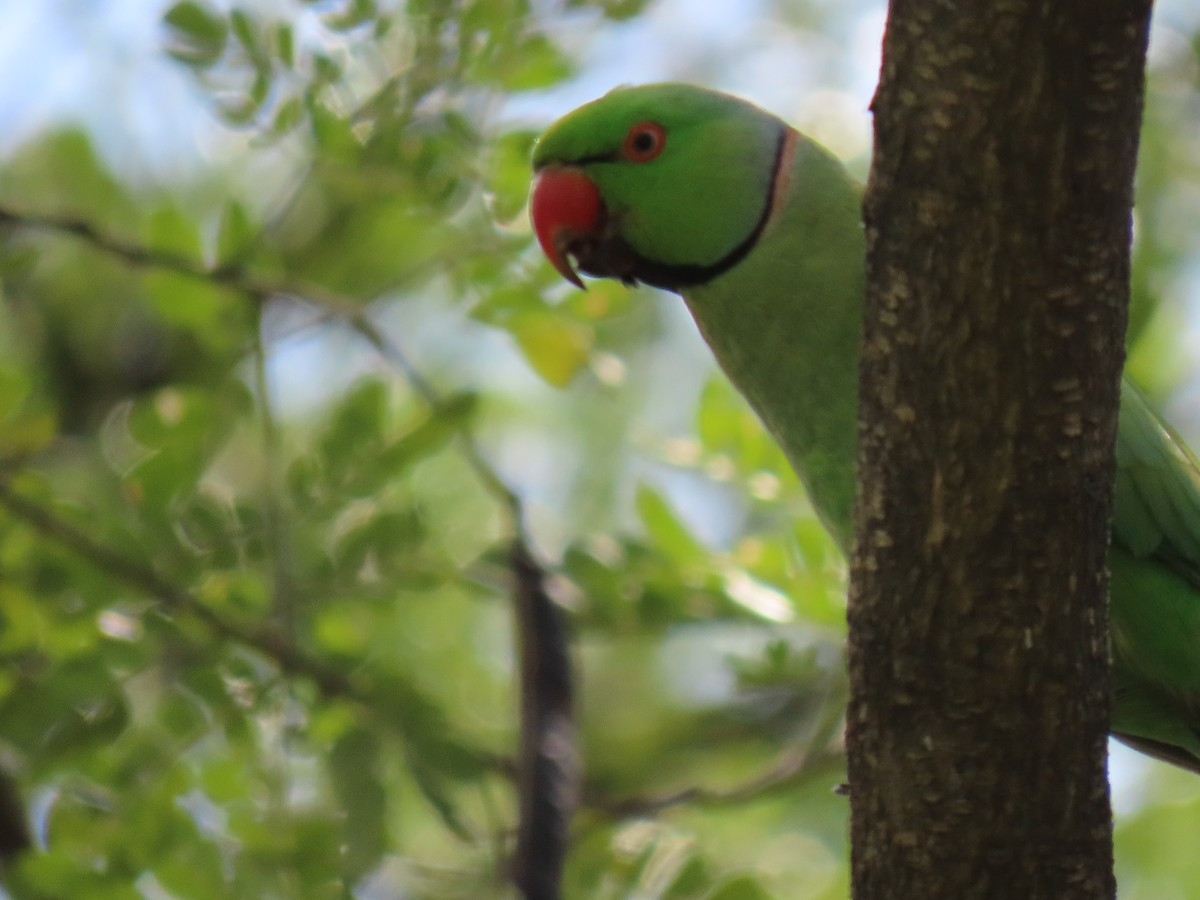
(566, 211)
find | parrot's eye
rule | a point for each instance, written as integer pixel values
(644, 141)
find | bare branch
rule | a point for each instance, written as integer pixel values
(548, 765)
(794, 765)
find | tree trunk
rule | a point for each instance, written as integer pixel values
(998, 227)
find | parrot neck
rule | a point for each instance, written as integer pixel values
(785, 324)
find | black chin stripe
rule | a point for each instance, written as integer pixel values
(676, 277)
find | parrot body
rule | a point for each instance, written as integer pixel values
(759, 229)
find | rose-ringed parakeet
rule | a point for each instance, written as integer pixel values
(759, 229)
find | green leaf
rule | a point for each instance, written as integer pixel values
(556, 347)
(333, 134)
(354, 765)
(244, 108)
(26, 434)
(357, 456)
(193, 868)
(235, 235)
(446, 421)
(285, 44)
(225, 778)
(326, 70)
(602, 300)
(538, 64)
(500, 306)
(509, 182)
(665, 529)
(618, 10)
(180, 714)
(692, 880)
(303, 479)
(68, 713)
(342, 630)
(16, 387)
(246, 30)
(209, 528)
(355, 13)
(242, 592)
(179, 429)
(170, 230)
(741, 887)
(387, 539)
(198, 33)
(188, 303)
(429, 779)
(289, 114)
(355, 430)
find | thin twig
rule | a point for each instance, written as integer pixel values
(284, 582)
(234, 277)
(792, 766)
(815, 752)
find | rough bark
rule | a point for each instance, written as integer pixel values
(998, 226)
(548, 768)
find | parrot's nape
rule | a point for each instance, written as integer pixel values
(759, 230)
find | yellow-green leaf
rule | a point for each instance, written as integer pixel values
(556, 348)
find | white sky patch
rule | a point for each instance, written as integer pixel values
(759, 598)
(1128, 772)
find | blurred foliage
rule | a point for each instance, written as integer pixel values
(257, 430)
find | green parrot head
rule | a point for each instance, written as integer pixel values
(666, 184)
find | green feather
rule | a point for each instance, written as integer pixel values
(784, 323)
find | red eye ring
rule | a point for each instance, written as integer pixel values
(644, 142)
